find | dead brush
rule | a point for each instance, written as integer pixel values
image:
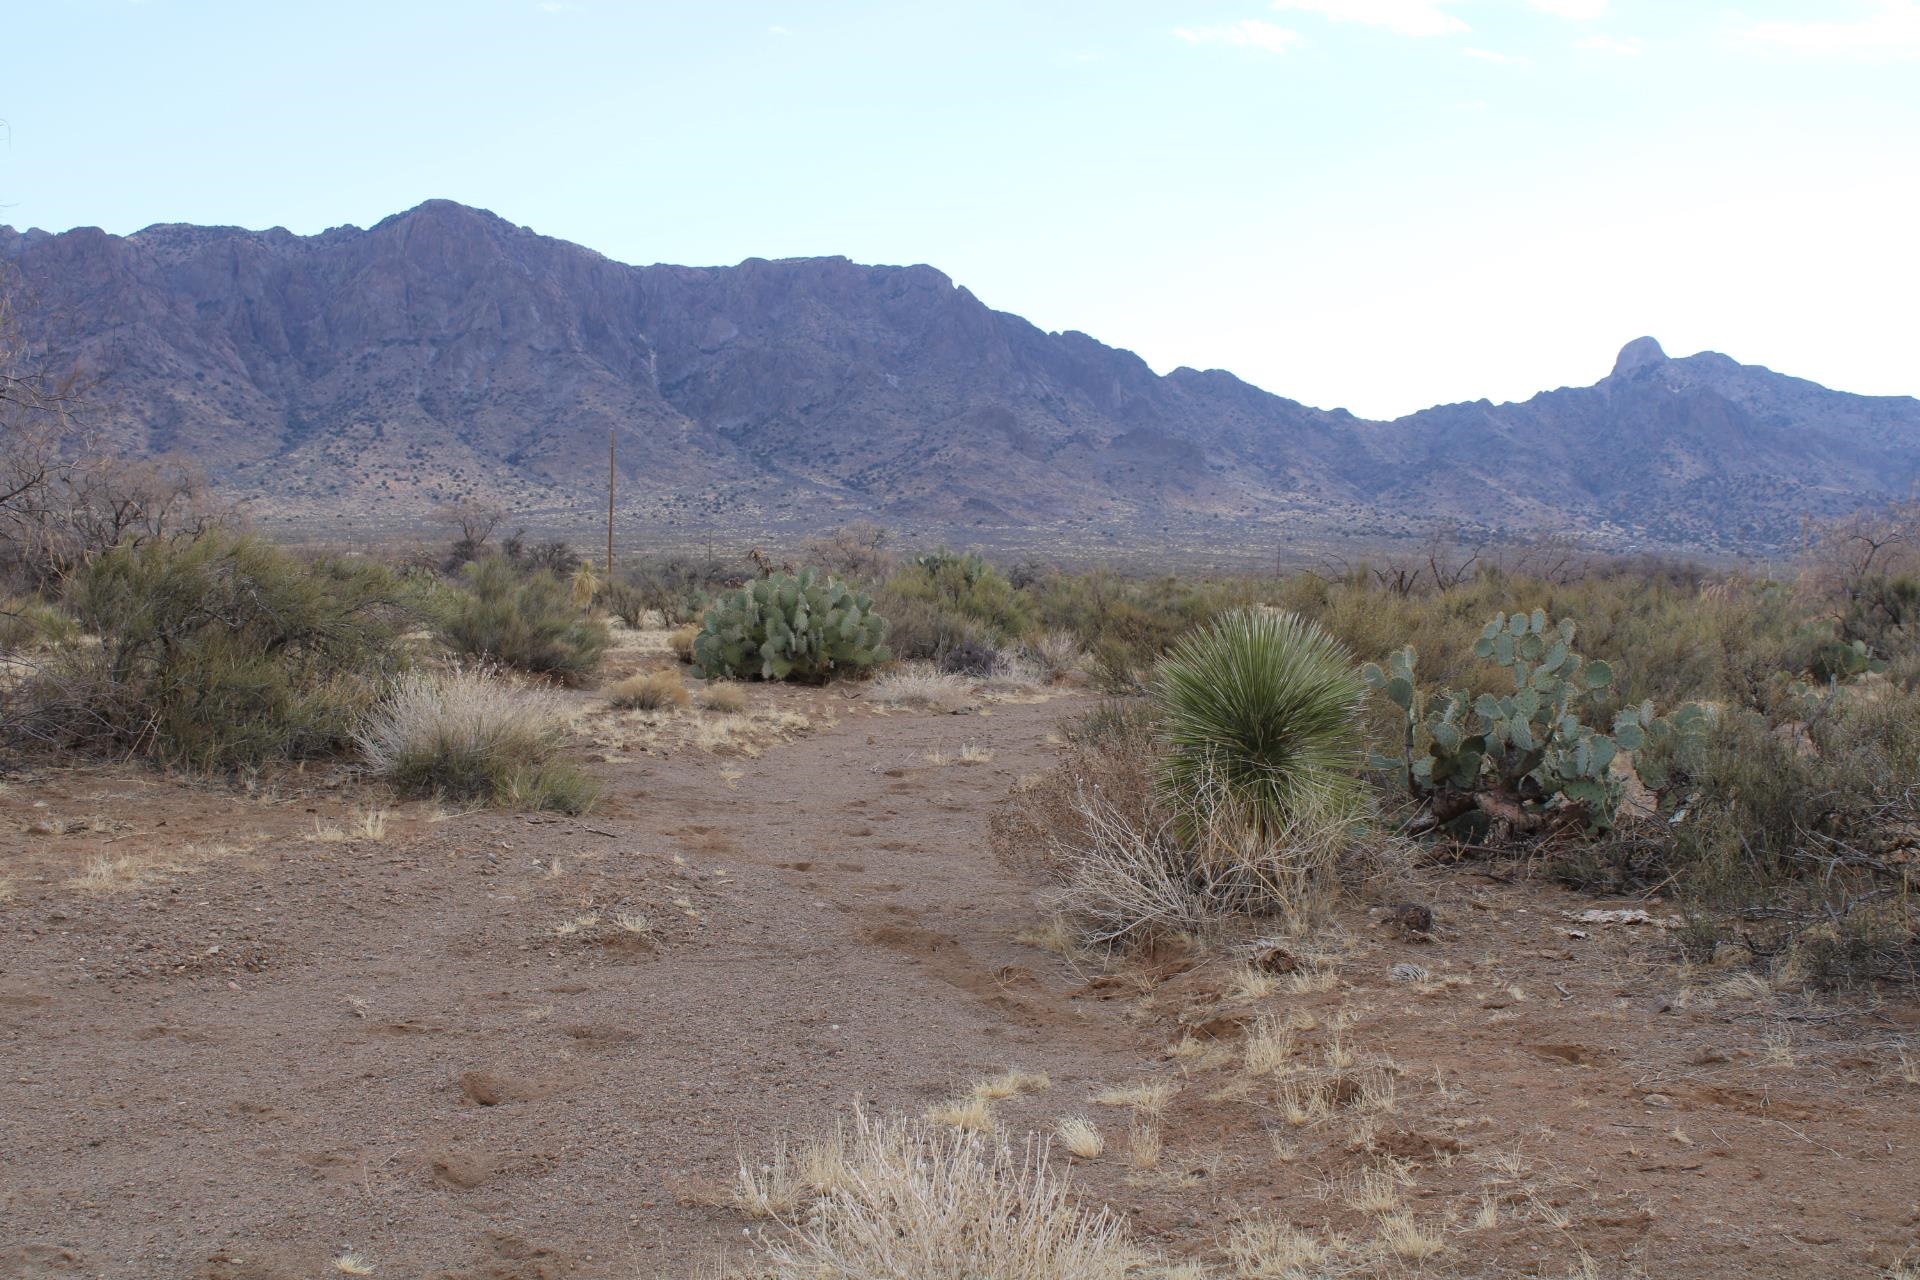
(924, 686)
(681, 642)
(901, 1198)
(650, 691)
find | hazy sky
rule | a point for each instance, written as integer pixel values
(1381, 204)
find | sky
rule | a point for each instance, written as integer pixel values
(1375, 204)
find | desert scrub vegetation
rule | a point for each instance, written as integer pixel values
(921, 684)
(217, 653)
(649, 691)
(1140, 834)
(1503, 764)
(1793, 841)
(666, 591)
(526, 620)
(29, 624)
(470, 734)
(957, 611)
(903, 1198)
(790, 627)
(1259, 718)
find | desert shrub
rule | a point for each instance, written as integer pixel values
(82, 507)
(921, 629)
(1259, 715)
(787, 627)
(1128, 861)
(681, 642)
(942, 602)
(528, 621)
(1127, 624)
(907, 1198)
(650, 691)
(724, 698)
(676, 588)
(1110, 718)
(922, 685)
(471, 735)
(856, 552)
(971, 656)
(1793, 836)
(219, 653)
(1058, 655)
(30, 623)
(626, 604)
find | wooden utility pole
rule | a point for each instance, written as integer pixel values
(610, 471)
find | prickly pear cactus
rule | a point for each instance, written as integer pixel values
(1516, 756)
(790, 627)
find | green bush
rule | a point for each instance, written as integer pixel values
(219, 653)
(527, 621)
(1259, 716)
(1796, 836)
(788, 627)
(468, 735)
(31, 624)
(944, 602)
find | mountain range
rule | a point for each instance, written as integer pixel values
(362, 377)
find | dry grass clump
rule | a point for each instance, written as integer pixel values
(1081, 1137)
(1148, 1098)
(1057, 654)
(680, 640)
(973, 1114)
(900, 1198)
(724, 697)
(1011, 1083)
(921, 685)
(466, 734)
(1270, 1249)
(650, 691)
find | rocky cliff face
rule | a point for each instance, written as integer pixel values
(376, 372)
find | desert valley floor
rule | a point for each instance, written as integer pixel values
(241, 1039)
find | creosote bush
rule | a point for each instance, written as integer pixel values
(471, 735)
(219, 653)
(955, 610)
(524, 620)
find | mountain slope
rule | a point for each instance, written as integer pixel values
(444, 351)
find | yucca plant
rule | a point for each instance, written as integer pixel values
(1259, 719)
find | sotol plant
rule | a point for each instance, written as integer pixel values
(1510, 758)
(1259, 713)
(790, 627)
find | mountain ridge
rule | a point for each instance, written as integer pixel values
(445, 351)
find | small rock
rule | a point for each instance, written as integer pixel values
(1657, 1100)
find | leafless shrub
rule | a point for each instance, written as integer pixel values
(905, 1198)
(860, 552)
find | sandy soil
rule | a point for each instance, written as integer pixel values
(238, 1038)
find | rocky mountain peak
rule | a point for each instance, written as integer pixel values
(1638, 354)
